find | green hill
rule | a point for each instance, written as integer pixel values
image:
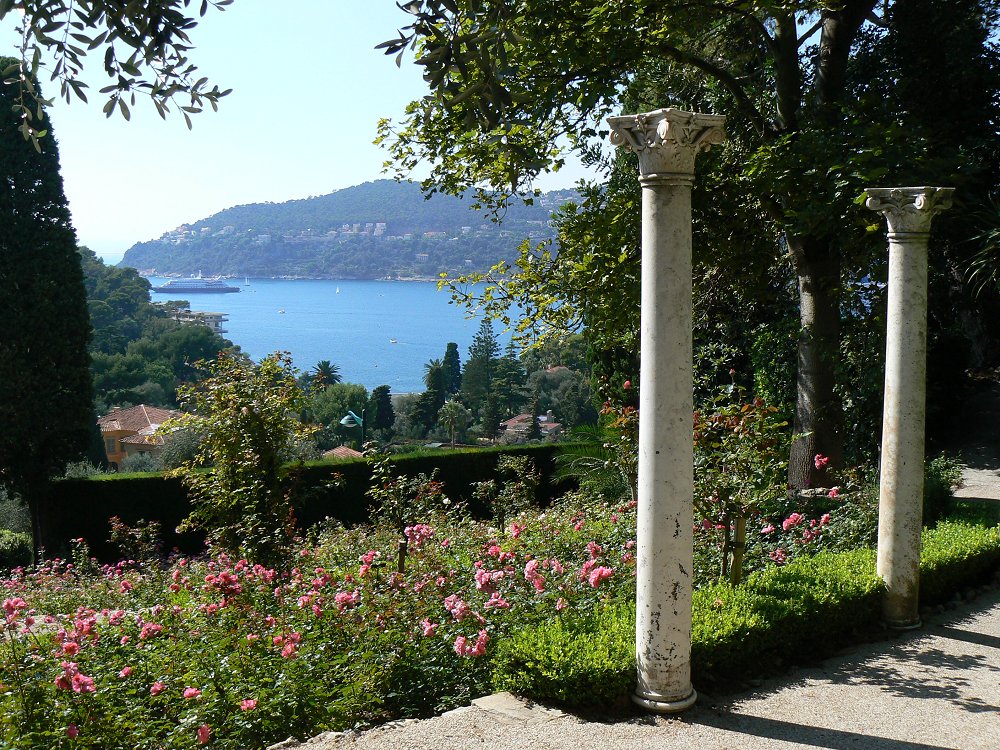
(375, 230)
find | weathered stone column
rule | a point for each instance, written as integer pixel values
(908, 212)
(666, 142)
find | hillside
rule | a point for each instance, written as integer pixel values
(375, 230)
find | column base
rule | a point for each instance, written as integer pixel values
(903, 625)
(660, 705)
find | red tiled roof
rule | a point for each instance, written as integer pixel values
(342, 451)
(135, 419)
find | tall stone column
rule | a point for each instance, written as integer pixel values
(908, 212)
(667, 142)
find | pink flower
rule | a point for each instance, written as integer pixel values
(463, 648)
(779, 556)
(498, 602)
(72, 731)
(820, 461)
(834, 492)
(125, 586)
(428, 627)
(204, 733)
(594, 549)
(824, 519)
(599, 574)
(70, 648)
(561, 604)
(289, 651)
(82, 684)
(157, 688)
(125, 673)
(190, 692)
(458, 608)
(769, 529)
(516, 529)
(344, 599)
(793, 520)
(248, 705)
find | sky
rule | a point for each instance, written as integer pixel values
(308, 91)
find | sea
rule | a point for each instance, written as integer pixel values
(376, 332)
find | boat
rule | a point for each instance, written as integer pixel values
(393, 341)
(195, 285)
(246, 282)
(281, 311)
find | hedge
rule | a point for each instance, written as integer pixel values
(81, 507)
(798, 613)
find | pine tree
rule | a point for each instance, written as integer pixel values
(46, 407)
(480, 368)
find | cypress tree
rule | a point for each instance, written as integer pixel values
(452, 368)
(46, 410)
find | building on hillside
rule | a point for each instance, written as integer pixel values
(130, 431)
(213, 320)
(516, 429)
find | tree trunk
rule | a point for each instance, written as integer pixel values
(739, 547)
(818, 411)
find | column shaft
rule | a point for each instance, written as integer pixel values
(666, 479)
(667, 142)
(908, 212)
(901, 481)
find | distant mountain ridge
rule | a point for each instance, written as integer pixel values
(380, 229)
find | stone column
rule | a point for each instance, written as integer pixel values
(908, 212)
(666, 142)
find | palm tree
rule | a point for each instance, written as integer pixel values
(455, 417)
(324, 374)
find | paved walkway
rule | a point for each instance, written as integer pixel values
(933, 689)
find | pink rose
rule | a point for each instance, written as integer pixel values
(820, 461)
(72, 731)
(191, 692)
(204, 733)
(158, 687)
(248, 705)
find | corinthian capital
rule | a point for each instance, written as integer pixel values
(667, 140)
(909, 210)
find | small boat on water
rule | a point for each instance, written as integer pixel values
(281, 311)
(195, 285)
(393, 341)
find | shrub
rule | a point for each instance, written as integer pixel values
(956, 554)
(15, 548)
(583, 662)
(941, 476)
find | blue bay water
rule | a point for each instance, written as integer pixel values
(351, 323)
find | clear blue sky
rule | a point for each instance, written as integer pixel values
(309, 88)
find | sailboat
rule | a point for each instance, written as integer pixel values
(247, 281)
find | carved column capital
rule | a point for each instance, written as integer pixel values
(909, 210)
(667, 141)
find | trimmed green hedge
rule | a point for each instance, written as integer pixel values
(81, 507)
(798, 613)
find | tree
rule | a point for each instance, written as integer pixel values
(452, 368)
(429, 403)
(46, 404)
(455, 418)
(324, 374)
(381, 415)
(246, 416)
(480, 367)
(145, 52)
(498, 103)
